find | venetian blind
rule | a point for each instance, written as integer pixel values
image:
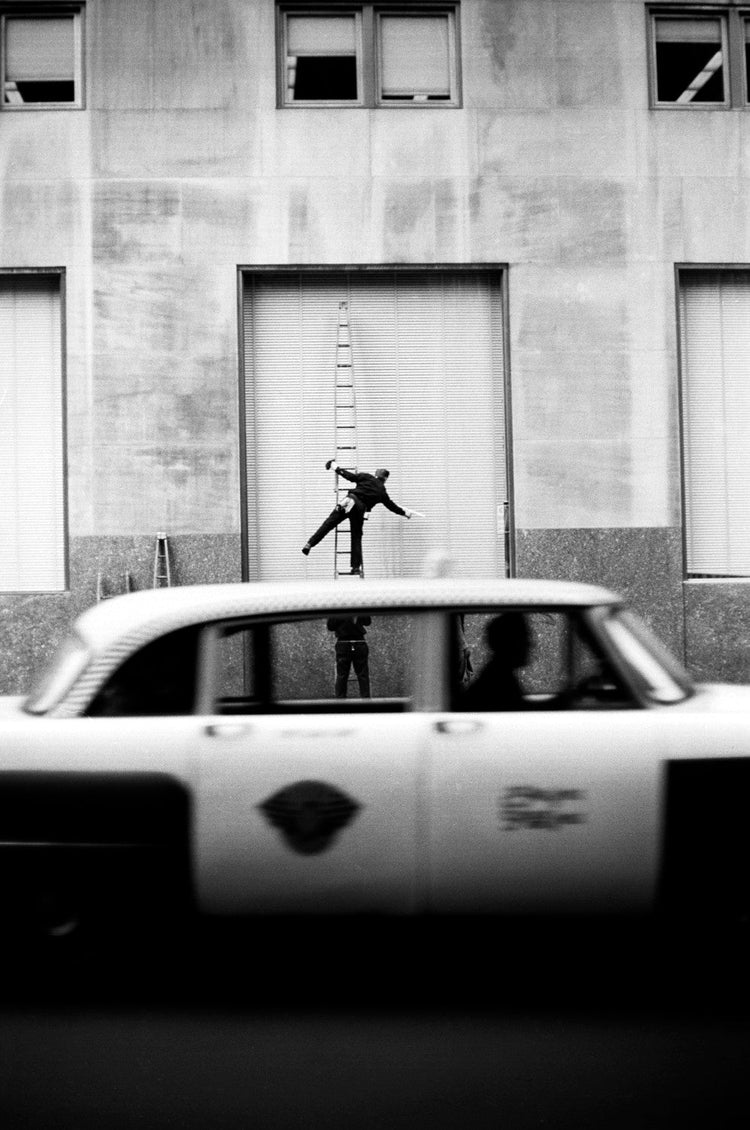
(688, 31)
(427, 353)
(39, 48)
(415, 55)
(320, 35)
(715, 327)
(32, 535)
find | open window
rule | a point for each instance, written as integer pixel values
(302, 665)
(689, 60)
(322, 57)
(41, 58)
(157, 680)
(520, 660)
(373, 54)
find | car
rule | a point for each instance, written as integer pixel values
(527, 747)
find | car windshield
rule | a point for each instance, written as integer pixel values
(655, 672)
(57, 676)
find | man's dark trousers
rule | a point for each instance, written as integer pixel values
(350, 652)
(356, 518)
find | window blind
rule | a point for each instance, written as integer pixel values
(688, 31)
(39, 48)
(320, 35)
(427, 353)
(32, 536)
(715, 332)
(415, 55)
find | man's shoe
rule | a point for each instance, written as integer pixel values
(306, 548)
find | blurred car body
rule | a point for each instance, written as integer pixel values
(185, 750)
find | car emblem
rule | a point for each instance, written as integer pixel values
(309, 814)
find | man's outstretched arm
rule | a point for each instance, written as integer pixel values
(404, 511)
(332, 465)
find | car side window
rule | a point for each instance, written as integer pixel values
(519, 659)
(294, 665)
(159, 679)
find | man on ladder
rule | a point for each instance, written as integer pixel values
(367, 492)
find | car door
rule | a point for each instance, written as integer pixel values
(305, 803)
(552, 807)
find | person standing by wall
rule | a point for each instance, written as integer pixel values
(351, 650)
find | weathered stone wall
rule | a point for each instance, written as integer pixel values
(180, 168)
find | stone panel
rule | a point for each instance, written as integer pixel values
(34, 624)
(643, 565)
(693, 144)
(717, 630)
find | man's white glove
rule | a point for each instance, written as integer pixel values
(332, 465)
(408, 512)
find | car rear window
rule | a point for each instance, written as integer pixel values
(57, 677)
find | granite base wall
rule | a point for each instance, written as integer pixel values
(642, 564)
(705, 623)
(717, 630)
(32, 624)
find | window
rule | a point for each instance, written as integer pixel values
(715, 357)
(534, 660)
(323, 59)
(41, 58)
(308, 665)
(32, 506)
(427, 355)
(690, 57)
(699, 57)
(415, 54)
(160, 679)
(369, 55)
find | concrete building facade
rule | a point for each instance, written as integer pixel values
(191, 219)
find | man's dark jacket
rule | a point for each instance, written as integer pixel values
(369, 491)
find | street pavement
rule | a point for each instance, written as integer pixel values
(380, 1025)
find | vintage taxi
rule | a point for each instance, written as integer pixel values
(189, 749)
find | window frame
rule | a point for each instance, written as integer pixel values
(369, 64)
(41, 12)
(682, 271)
(60, 275)
(262, 642)
(733, 19)
(744, 20)
(379, 11)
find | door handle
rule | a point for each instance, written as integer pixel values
(227, 729)
(458, 726)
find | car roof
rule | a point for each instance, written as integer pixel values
(151, 612)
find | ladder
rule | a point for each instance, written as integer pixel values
(345, 438)
(162, 565)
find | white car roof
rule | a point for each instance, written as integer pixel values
(144, 615)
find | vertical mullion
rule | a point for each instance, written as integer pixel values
(736, 58)
(368, 55)
(78, 60)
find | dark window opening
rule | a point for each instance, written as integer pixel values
(416, 97)
(325, 79)
(158, 679)
(689, 72)
(50, 91)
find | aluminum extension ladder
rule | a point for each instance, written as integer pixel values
(162, 563)
(345, 439)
